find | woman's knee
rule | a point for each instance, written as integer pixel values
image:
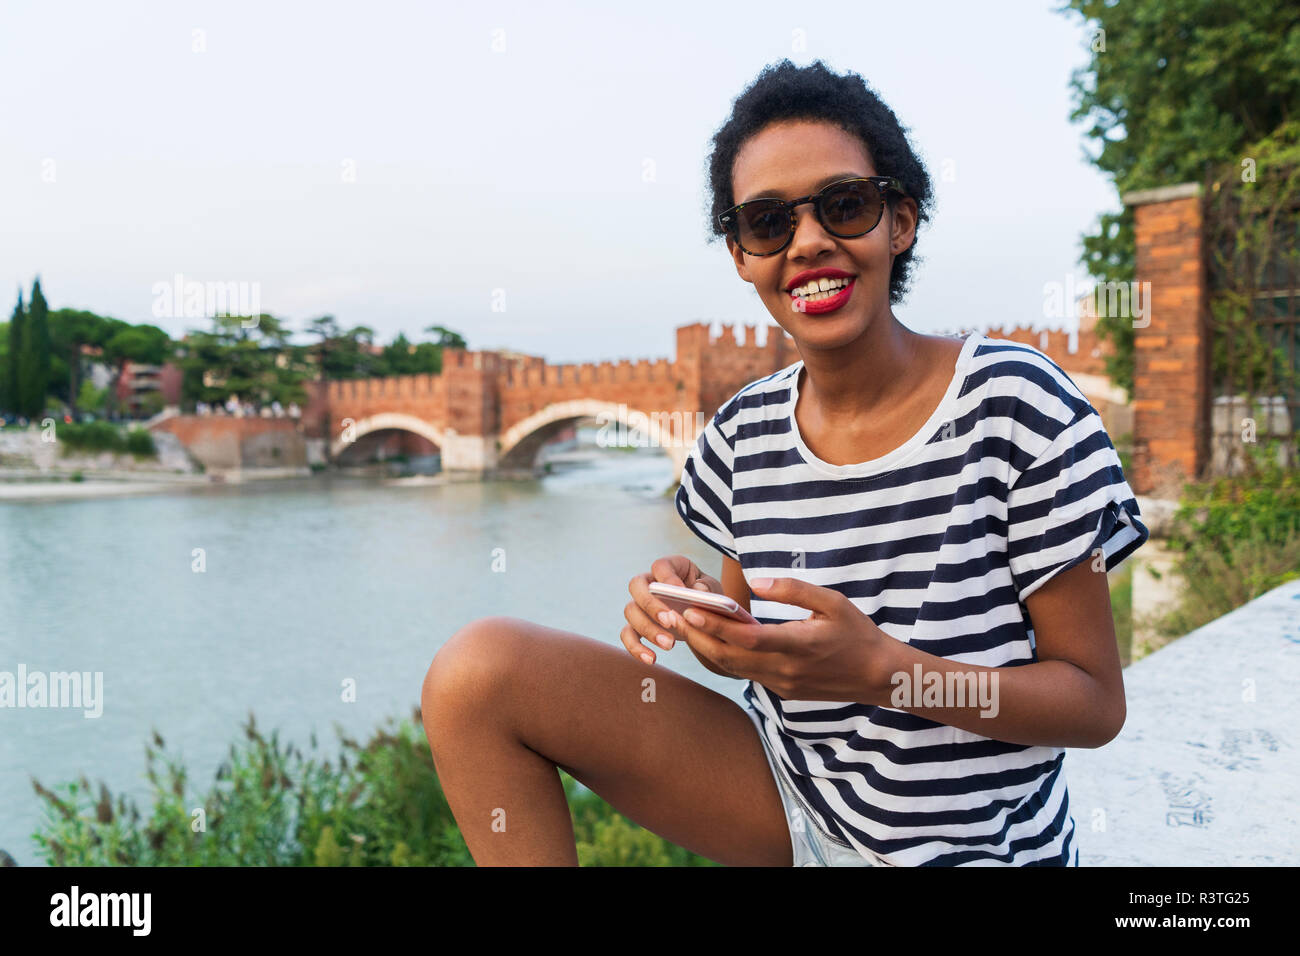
(472, 667)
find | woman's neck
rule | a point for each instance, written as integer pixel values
(850, 383)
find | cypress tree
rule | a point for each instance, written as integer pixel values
(36, 345)
(12, 396)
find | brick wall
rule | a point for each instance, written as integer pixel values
(1171, 405)
(726, 364)
(225, 442)
(423, 396)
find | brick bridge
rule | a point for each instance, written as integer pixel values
(493, 410)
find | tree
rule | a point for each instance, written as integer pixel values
(345, 355)
(90, 397)
(404, 358)
(34, 357)
(13, 397)
(70, 329)
(36, 353)
(446, 338)
(254, 362)
(1174, 85)
(141, 344)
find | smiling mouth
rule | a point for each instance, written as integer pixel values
(821, 301)
(819, 290)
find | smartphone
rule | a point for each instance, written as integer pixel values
(679, 599)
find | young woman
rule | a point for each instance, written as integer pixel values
(922, 526)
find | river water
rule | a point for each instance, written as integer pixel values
(305, 584)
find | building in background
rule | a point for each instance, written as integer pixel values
(139, 382)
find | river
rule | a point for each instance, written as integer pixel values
(304, 584)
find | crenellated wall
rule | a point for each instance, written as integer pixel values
(472, 409)
(718, 365)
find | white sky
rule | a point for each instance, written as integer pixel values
(519, 170)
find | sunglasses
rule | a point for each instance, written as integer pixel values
(848, 209)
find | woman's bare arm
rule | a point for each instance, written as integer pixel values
(1073, 696)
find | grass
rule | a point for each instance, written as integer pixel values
(271, 804)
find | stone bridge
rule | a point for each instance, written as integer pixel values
(492, 411)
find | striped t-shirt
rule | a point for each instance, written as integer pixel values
(1012, 480)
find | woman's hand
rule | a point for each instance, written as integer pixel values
(837, 654)
(650, 619)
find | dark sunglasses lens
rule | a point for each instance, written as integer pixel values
(763, 226)
(851, 209)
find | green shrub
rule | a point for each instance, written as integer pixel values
(1121, 607)
(616, 842)
(92, 436)
(1239, 538)
(1124, 449)
(1263, 505)
(139, 442)
(104, 436)
(377, 804)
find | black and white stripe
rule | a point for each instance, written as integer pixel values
(1011, 481)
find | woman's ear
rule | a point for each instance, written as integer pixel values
(902, 228)
(738, 256)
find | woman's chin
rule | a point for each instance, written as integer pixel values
(833, 330)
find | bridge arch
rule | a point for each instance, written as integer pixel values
(385, 421)
(520, 443)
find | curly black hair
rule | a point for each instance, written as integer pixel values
(784, 91)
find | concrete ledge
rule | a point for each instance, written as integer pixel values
(1142, 197)
(1205, 771)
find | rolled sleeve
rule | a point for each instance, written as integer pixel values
(1069, 504)
(704, 497)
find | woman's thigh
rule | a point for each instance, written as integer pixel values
(672, 755)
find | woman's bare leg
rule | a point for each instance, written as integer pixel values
(506, 701)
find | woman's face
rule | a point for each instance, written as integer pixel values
(793, 158)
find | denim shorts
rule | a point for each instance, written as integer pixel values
(812, 845)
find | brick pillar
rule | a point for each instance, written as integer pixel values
(688, 367)
(473, 410)
(1171, 375)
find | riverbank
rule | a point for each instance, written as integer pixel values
(109, 484)
(35, 466)
(55, 490)
(28, 485)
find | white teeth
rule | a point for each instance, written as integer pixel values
(819, 289)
